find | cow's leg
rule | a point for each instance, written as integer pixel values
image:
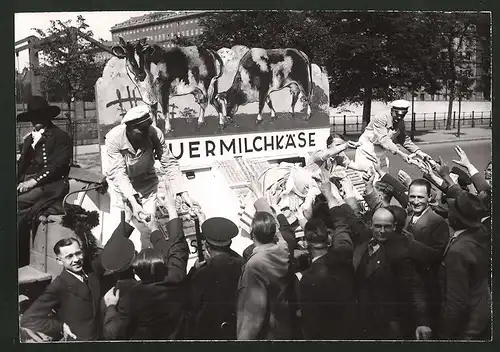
(202, 100)
(262, 100)
(295, 92)
(270, 104)
(165, 97)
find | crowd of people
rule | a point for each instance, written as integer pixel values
(412, 265)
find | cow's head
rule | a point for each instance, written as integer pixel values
(137, 66)
(135, 57)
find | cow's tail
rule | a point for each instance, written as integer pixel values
(213, 88)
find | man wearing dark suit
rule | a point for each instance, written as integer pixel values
(326, 289)
(42, 168)
(430, 234)
(387, 284)
(466, 296)
(214, 284)
(74, 295)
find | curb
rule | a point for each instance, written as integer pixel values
(457, 139)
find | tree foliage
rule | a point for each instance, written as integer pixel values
(458, 37)
(367, 55)
(68, 70)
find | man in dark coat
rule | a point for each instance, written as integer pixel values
(466, 296)
(430, 234)
(42, 169)
(214, 284)
(326, 289)
(73, 295)
(387, 284)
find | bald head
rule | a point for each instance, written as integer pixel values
(383, 224)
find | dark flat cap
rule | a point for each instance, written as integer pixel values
(219, 231)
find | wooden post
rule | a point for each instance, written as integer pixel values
(345, 127)
(472, 122)
(434, 120)
(453, 119)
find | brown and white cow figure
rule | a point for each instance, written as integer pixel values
(160, 73)
(263, 71)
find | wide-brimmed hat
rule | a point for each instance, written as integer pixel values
(39, 110)
(468, 208)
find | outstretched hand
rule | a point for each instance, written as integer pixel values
(464, 159)
(444, 169)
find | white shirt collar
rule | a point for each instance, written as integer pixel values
(79, 277)
(458, 233)
(319, 256)
(36, 136)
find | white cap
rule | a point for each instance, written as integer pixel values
(400, 104)
(136, 115)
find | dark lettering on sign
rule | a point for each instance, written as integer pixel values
(246, 147)
(290, 142)
(227, 148)
(194, 245)
(210, 147)
(180, 153)
(312, 142)
(302, 140)
(239, 143)
(257, 138)
(278, 142)
(193, 147)
(266, 144)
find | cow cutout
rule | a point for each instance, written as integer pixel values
(263, 71)
(160, 73)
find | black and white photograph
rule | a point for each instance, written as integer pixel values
(254, 175)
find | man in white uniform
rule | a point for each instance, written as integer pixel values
(132, 148)
(383, 133)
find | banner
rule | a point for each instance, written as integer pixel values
(282, 128)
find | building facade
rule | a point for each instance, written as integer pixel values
(160, 27)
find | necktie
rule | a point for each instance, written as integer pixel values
(371, 246)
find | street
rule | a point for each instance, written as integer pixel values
(479, 153)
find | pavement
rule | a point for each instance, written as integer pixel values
(444, 136)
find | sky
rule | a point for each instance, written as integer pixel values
(99, 23)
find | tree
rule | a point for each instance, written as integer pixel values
(367, 55)
(458, 37)
(23, 87)
(69, 70)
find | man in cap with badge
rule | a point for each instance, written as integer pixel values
(214, 284)
(132, 148)
(383, 133)
(42, 169)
